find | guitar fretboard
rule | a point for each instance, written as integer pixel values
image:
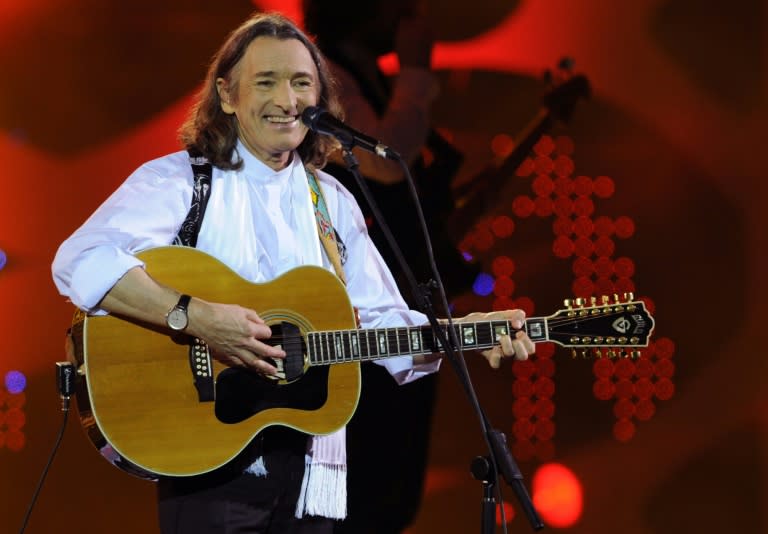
(338, 346)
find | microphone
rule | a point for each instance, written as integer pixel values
(321, 121)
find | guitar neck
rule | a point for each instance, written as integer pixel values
(340, 346)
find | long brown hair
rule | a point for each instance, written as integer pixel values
(213, 133)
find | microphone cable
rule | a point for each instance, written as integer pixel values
(65, 377)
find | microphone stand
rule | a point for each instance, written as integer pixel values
(499, 459)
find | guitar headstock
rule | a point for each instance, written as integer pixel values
(608, 326)
(565, 89)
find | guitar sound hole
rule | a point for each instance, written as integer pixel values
(241, 394)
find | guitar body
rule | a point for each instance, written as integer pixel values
(140, 387)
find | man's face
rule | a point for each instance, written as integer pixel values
(276, 80)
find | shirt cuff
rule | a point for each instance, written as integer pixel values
(404, 371)
(97, 274)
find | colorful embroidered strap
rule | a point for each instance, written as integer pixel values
(332, 244)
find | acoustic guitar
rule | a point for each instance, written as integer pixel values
(168, 408)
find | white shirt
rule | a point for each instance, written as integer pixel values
(257, 222)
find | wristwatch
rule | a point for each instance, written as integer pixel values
(177, 318)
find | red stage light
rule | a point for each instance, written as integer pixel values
(557, 495)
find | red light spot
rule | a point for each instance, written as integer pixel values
(522, 388)
(604, 187)
(526, 168)
(522, 408)
(664, 389)
(483, 239)
(563, 166)
(544, 146)
(503, 266)
(509, 513)
(584, 247)
(503, 287)
(543, 185)
(543, 165)
(503, 226)
(604, 226)
(603, 389)
(583, 266)
(583, 226)
(544, 387)
(523, 206)
(603, 368)
(502, 145)
(623, 430)
(557, 495)
(544, 366)
(624, 409)
(604, 266)
(604, 246)
(563, 206)
(625, 227)
(583, 206)
(503, 303)
(526, 304)
(645, 409)
(665, 368)
(545, 350)
(564, 186)
(664, 347)
(625, 267)
(583, 286)
(545, 409)
(523, 369)
(584, 186)
(523, 429)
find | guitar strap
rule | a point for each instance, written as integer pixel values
(332, 243)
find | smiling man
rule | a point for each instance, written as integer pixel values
(248, 190)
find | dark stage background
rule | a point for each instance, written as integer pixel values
(657, 184)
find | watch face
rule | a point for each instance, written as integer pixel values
(177, 319)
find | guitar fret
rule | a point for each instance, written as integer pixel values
(415, 340)
(345, 338)
(392, 341)
(355, 347)
(484, 334)
(327, 358)
(338, 347)
(371, 342)
(381, 339)
(402, 341)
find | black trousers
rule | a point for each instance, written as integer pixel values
(229, 501)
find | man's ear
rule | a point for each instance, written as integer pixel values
(222, 87)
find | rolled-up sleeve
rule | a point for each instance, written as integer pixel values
(144, 212)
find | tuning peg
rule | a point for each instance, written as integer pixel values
(616, 298)
(580, 302)
(573, 353)
(611, 354)
(568, 303)
(598, 353)
(629, 297)
(636, 354)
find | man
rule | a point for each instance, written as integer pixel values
(259, 220)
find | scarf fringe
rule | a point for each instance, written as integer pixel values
(257, 467)
(323, 491)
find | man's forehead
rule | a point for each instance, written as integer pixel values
(272, 55)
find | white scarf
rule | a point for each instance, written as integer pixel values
(324, 487)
